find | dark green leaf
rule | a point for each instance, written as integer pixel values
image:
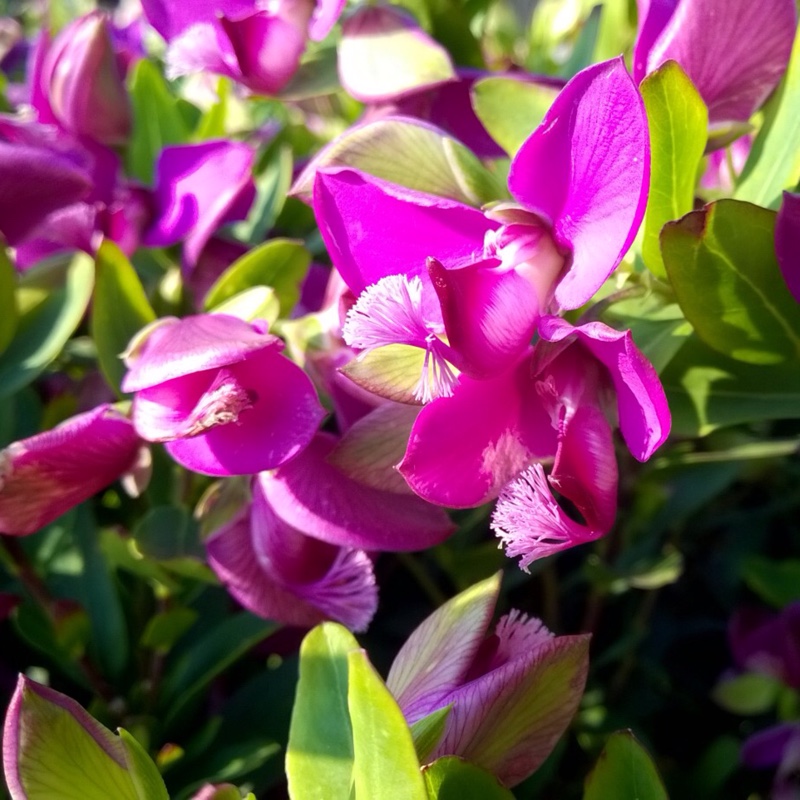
(8, 301)
(775, 582)
(165, 628)
(167, 532)
(452, 778)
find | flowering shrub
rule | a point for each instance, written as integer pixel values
(470, 329)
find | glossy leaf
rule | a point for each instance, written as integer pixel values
(721, 262)
(319, 758)
(452, 778)
(678, 120)
(624, 771)
(53, 298)
(385, 764)
(774, 161)
(143, 772)
(412, 154)
(119, 310)
(9, 313)
(511, 109)
(280, 264)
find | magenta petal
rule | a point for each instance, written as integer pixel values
(735, 51)
(373, 228)
(170, 18)
(463, 449)
(196, 187)
(44, 476)
(653, 16)
(489, 315)
(311, 495)
(586, 170)
(787, 242)
(324, 18)
(644, 416)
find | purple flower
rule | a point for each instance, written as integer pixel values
(44, 476)
(554, 403)
(778, 746)
(283, 573)
(259, 47)
(200, 187)
(787, 241)
(735, 51)
(219, 393)
(512, 692)
(437, 268)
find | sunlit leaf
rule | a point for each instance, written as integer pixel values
(392, 372)
(143, 772)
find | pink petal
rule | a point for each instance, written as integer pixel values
(44, 476)
(787, 242)
(373, 228)
(653, 15)
(586, 170)
(311, 495)
(644, 416)
(324, 18)
(170, 18)
(463, 449)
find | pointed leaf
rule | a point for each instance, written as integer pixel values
(721, 262)
(319, 757)
(8, 301)
(624, 771)
(257, 302)
(280, 264)
(678, 120)
(120, 309)
(53, 298)
(143, 772)
(428, 731)
(411, 153)
(511, 108)
(452, 778)
(385, 764)
(391, 372)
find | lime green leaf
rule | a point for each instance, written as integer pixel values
(746, 694)
(257, 302)
(452, 778)
(157, 119)
(385, 764)
(678, 121)
(53, 297)
(393, 371)
(721, 262)
(61, 752)
(412, 154)
(119, 310)
(775, 582)
(143, 772)
(8, 301)
(428, 731)
(624, 771)
(319, 758)
(707, 390)
(774, 161)
(511, 109)
(212, 121)
(281, 264)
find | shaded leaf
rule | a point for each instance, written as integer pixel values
(452, 778)
(747, 694)
(428, 731)
(775, 582)
(8, 301)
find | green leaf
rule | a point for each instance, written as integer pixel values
(9, 313)
(120, 309)
(53, 297)
(511, 109)
(412, 154)
(166, 627)
(281, 264)
(583, 49)
(167, 532)
(678, 121)
(212, 122)
(257, 302)
(747, 694)
(428, 731)
(452, 778)
(624, 771)
(63, 753)
(721, 262)
(143, 772)
(316, 76)
(319, 757)
(392, 372)
(157, 119)
(775, 582)
(774, 161)
(385, 764)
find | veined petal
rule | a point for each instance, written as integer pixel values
(530, 522)
(644, 416)
(463, 449)
(787, 241)
(373, 228)
(311, 495)
(586, 170)
(735, 51)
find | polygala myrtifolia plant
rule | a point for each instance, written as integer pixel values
(314, 314)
